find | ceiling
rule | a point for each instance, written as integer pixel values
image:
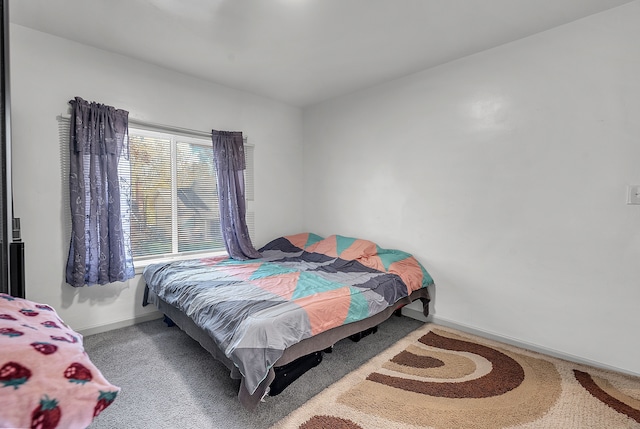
(299, 51)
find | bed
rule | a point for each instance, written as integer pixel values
(306, 293)
(47, 380)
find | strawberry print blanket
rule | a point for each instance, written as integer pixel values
(46, 379)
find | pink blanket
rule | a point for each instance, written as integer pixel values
(46, 378)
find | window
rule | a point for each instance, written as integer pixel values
(173, 193)
(174, 199)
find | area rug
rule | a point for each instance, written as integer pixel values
(441, 378)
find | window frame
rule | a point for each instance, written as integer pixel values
(174, 138)
(183, 133)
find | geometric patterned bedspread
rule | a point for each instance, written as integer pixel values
(303, 285)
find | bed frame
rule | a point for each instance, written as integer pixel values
(305, 347)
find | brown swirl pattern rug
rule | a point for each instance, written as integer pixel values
(441, 378)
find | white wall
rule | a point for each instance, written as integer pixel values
(505, 173)
(46, 72)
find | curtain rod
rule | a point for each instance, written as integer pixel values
(160, 127)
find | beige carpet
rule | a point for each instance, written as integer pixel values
(445, 379)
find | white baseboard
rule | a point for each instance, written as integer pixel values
(417, 314)
(120, 324)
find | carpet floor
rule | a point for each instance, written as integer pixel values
(169, 381)
(444, 379)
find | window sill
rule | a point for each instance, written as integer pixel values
(142, 264)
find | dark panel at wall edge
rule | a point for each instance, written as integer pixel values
(5, 145)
